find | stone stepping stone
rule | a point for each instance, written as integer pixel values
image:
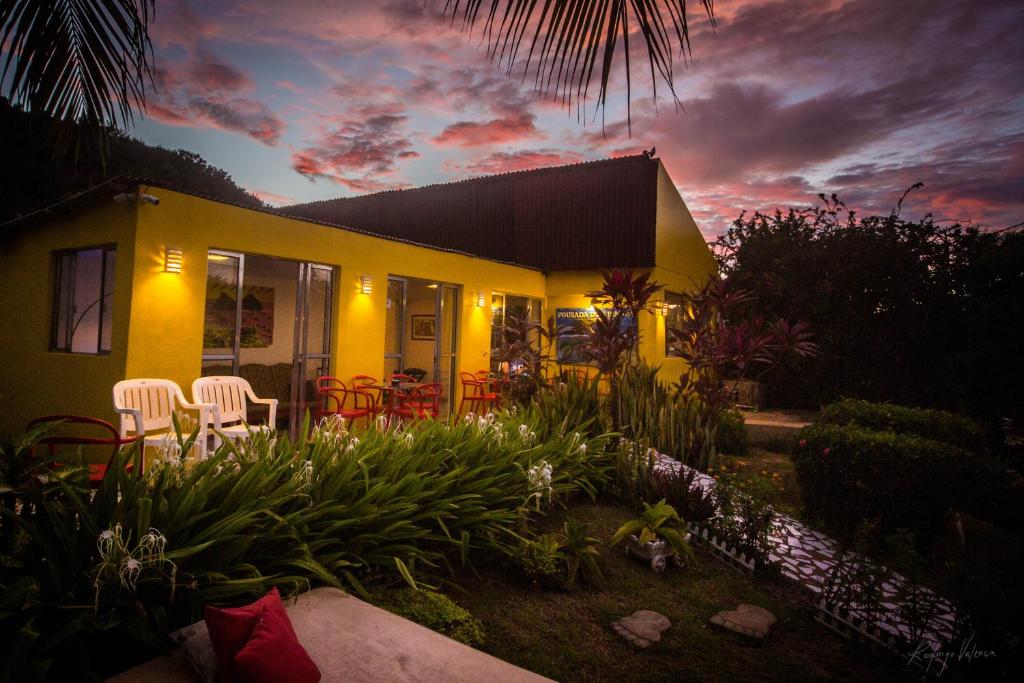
(748, 620)
(642, 628)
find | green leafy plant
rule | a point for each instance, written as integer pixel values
(434, 610)
(541, 560)
(337, 509)
(581, 553)
(681, 490)
(657, 522)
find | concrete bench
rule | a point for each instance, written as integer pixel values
(351, 640)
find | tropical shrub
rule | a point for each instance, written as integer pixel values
(436, 611)
(650, 413)
(557, 560)
(571, 404)
(657, 522)
(581, 553)
(744, 520)
(337, 509)
(937, 425)
(849, 475)
(719, 340)
(681, 490)
(731, 434)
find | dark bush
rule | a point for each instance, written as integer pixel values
(849, 474)
(937, 425)
(731, 437)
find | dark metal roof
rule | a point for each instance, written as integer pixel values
(586, 216)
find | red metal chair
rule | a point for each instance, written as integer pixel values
(370, 386)
(334, 399)
(475, 393)
(403, 378)
(97, 471)
(420, 403)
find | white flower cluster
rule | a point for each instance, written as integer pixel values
(526, 435)
(116, 559)
(538, 479)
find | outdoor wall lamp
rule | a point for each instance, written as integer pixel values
(481, 300)
(172, 260)
(366, 284)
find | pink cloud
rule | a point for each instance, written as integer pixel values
(494, 132)
(505, 162)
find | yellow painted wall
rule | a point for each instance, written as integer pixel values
(35, 381)
(165, 339)
(683, 260)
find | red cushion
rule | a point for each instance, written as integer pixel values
(230, 629)
(273, 653)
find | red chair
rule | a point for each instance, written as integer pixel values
(405, 379)
(370, 386)
(334, 397)
(420, 403)
(475, 393)
(96, 471)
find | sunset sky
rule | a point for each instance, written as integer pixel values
(305, 100)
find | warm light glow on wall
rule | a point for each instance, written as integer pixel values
(366, 284)
(172, 260)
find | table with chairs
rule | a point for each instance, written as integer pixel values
(364, 397)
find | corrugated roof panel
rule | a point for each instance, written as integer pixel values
(587, 216)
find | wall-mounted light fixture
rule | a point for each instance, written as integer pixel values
(366, 284)
(481, 299)
(172, 260)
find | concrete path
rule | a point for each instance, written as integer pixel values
(808, 556)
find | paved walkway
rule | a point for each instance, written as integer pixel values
(808, 556)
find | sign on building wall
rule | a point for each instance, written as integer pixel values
(576, 319)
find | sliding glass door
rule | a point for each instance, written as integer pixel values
(444, 355)
(268, 320)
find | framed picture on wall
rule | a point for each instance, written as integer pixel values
(424, 327)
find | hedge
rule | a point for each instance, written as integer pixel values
(937, 425)
(849, 474)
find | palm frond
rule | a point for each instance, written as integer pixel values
(560, 41)
(77, 60)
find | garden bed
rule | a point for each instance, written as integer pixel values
(566, 635)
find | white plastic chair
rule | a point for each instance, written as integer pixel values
(150, 403)
(229, 394)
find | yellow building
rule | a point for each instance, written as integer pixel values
(133, 279)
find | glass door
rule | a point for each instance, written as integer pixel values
(446, 343)
(268, 320)
(394, 327)
(312, 338)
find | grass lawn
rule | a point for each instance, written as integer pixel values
(566, 635)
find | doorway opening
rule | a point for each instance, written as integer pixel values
(268, 320)
(421, 332)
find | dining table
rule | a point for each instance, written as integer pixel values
(389, 392)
